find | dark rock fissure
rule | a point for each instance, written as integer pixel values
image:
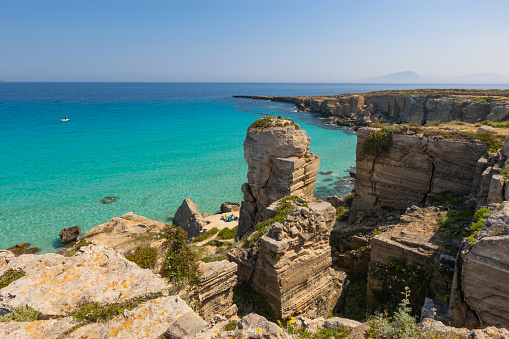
(432, 177)
(373, 184)
(425, 112)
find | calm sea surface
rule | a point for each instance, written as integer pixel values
(150, 144)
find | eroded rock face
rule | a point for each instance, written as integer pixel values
(280, 165)
(292, 265)
(189, 218)
(414, 167)
(215, 294)
(480, 296)
(54, 284)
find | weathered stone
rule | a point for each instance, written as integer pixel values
(434, 309)
(23, 248)
(189, 218)
(291, 267)
(435, 325)
(148, 320)
(413, 168)
(53, 328)
(230, 207)
(256, 326)
(70, 234)
(186, 326)
(498, 113)
(5, 258)
(215, 294)
(54, 285)
(280, 165)
(338, 323)
(127, 233)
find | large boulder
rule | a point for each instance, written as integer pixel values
(279, 164)
(70, 234)
(189, 218)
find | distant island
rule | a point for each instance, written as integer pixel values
(2, 80)
(414, 78)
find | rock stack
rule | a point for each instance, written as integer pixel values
(279, 164)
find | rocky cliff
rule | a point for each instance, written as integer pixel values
(280, 165)
(411, 106)
(414, 167)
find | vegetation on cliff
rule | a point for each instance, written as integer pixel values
(273, 121)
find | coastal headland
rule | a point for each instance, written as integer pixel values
(423, 236)
(418, 106)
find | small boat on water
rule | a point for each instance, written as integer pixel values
(65, 119)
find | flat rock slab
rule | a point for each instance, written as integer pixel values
(149, 320)
(54, 284)
(38, 329)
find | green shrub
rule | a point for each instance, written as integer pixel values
(355, 304)
(378, 142)
(207, 235)
(10, 275)
(95, 311)
(340, 212)
(228, 233)
(266, 122)
(181, 263)
(447, 198)
(299, 332)
(145, 257)
(230, 326)
(22, 313)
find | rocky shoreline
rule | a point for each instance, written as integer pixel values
(428, 218)
(411, 106)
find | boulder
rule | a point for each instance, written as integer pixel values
(256, 326)
(5, 258)
(186, 326)
(189, 218)
(70, 234)
(338, 323)
(230, 207)
(57, 284)
(53, 328)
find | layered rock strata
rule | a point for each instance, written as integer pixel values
(414, 167)
(291, 264)
(215, 295)
(279, 164)
(480, 294)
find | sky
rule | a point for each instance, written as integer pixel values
(250, 41)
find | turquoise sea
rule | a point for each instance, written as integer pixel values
(150, 144)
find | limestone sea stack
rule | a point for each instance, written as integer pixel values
(279, 165)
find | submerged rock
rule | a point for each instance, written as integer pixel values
(109, 199)
(23, 248)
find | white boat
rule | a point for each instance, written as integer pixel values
(65, 119)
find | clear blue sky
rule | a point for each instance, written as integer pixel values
(250, 40)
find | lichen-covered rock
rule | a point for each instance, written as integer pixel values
(255, 326)
(54, 285)
(291, 264)
(5, 257)
(279, 164)
(47, 329)
(148, 320)
(215, 294)
(189, 218)
(70, 234)
(185, 327)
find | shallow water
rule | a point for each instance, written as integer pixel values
(150, 144)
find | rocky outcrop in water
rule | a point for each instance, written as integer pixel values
(279, 164)
(70, 234)
(291, 264)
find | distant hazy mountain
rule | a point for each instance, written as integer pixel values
(2, 80)
(414, 78)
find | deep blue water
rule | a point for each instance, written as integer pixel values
(150, 144)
